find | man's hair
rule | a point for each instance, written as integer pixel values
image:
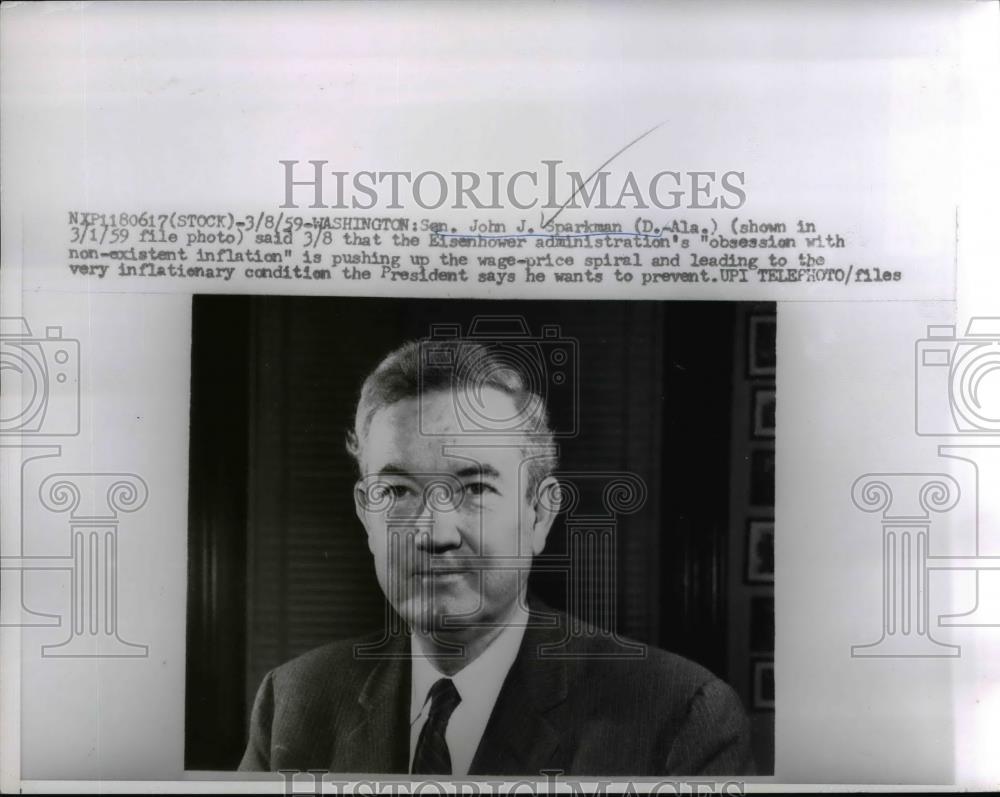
(424, 366)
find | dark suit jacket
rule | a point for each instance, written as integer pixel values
(579, 712)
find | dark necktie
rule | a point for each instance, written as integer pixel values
(431, 756)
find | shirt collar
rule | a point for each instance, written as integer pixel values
(479, 682)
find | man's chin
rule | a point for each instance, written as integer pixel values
(442, 614)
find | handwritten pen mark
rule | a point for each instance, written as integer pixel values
(594, 174)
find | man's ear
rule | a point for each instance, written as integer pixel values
(545, 508)
(361, 510)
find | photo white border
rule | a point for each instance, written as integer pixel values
(812, 506)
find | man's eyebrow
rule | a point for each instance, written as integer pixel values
(392, 469)
(478, 470)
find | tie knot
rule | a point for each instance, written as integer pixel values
(444, 698)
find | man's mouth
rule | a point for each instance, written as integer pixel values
(443, 572)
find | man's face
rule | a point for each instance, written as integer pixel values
(434, 495)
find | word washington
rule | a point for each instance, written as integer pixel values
(545, 188)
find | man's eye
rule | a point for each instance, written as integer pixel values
(396, 491)
(478, 489)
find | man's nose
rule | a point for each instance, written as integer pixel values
(442, 533)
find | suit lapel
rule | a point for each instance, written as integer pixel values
(375, 734)
(521, 737)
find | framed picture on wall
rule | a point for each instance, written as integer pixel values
(761, 345)
(762, 477)
(760, 552)
(762, 684)
(762, 624)
(762, 407)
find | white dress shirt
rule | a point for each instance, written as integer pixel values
(478, 685)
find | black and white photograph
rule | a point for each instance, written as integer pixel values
(420, 530)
